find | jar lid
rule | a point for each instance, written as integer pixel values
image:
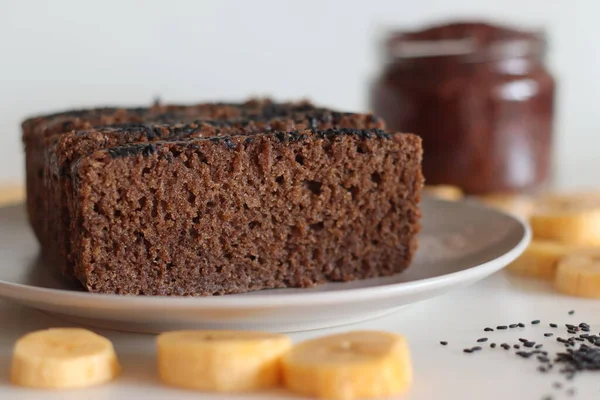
(475, 41)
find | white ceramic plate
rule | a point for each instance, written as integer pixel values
(460, 244)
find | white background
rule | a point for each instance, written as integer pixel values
(72, 53)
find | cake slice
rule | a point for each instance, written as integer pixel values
(64, 149)
(238, 213)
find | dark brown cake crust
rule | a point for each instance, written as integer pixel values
(239, 213)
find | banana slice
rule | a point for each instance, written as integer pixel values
(348, 366)
(221, 361)
(541, 258)
(578, 274)
(445, 192)
(515, 204)
(63, 358)
(11, 194)
(572, 218)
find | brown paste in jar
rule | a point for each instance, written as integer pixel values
(481, 98)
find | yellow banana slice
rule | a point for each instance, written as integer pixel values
(11, 194)
(515, 204)
(445, 192)
(348, 366)
(578, 274)
(570, 218)
(63, 358)
(221, 361)
(541, 258)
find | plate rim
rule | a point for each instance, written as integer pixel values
(29, 293)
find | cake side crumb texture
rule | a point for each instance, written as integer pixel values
(235, 214)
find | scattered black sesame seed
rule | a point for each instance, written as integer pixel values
(493, 345)
(467, 350)
(476, 348)
(482, 340)
(535, 322)
(502, 327)
(569, 326)
(512, 326)
(539, 346)
(523, 340)
(542, 369)
(523, 354)
(548, 334)
(488, 330)
(521, 325)
(575, 360)
(516, 346)
(570, 376)
(553, 326)
(505, 346)
(444, 343)
(571, 312)
(529, 344)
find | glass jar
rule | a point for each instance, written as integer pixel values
(481, 98)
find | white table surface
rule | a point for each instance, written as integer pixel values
(440, 372)
(444, 373)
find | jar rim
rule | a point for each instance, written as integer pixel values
(407, 45)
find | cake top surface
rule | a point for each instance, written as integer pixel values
(95, 117)
(68, 146)
(231, 141)
(165, 126)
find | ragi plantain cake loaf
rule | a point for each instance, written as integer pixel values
(232, 205)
